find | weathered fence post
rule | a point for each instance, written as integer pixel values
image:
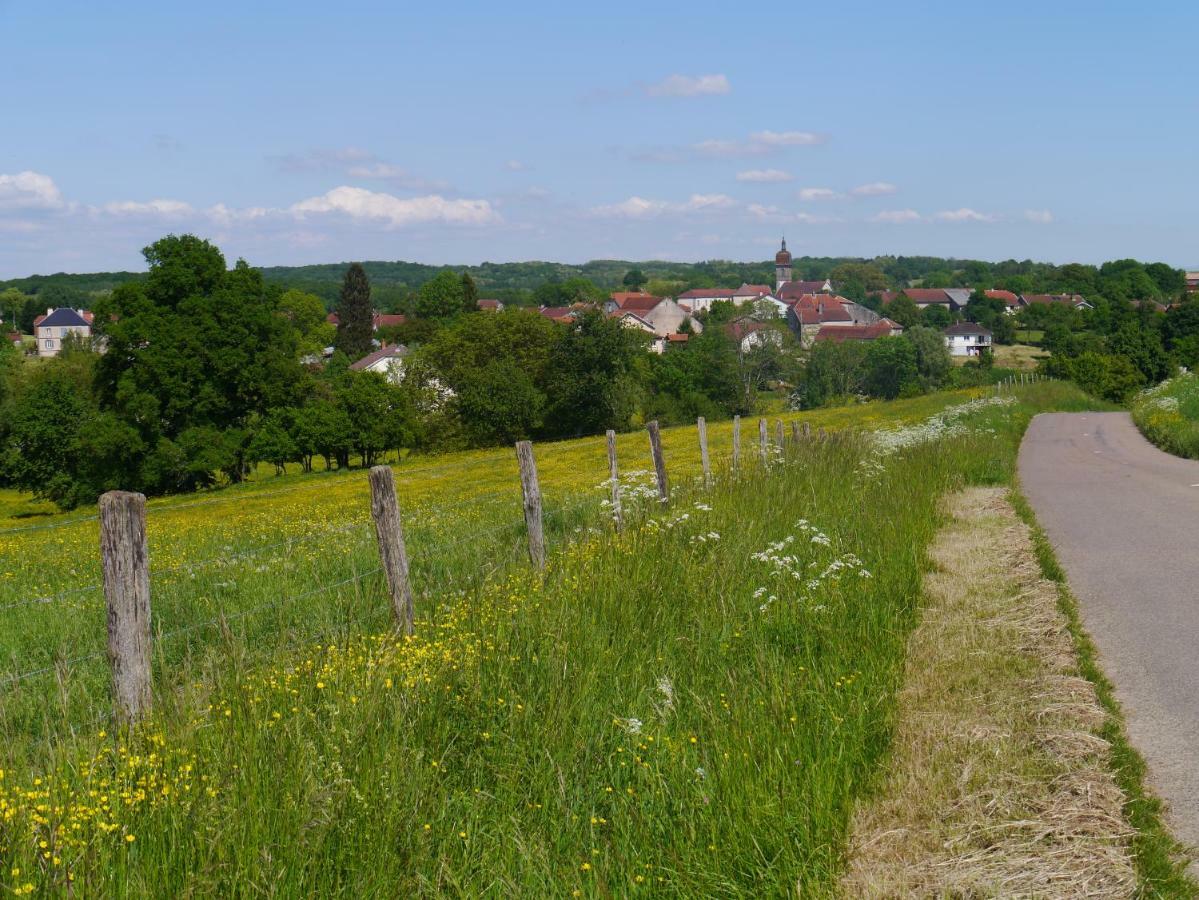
(736, 441)
(532, 498)
(389, 531)
(702, 425)
(614, 479)
(655, 448)
(807, 430)
(779, 437)
(125, 558)
(762, 440)
(795, 432)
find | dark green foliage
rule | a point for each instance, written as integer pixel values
(441, 297)
(903, 311)
(500, 403)
(470, 294)
(1108, 376)
(355, 326)
(701, 378)
(634, 279)
(378, 412)
(936, 316)
(932, 355)
(42, 430)
(890, 367)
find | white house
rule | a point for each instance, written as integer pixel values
(967, 339)
(387, 361)
(56, 325)
(750, 334)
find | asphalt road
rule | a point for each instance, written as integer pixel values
(1124, 519)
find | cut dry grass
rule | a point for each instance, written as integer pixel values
(1000, 783)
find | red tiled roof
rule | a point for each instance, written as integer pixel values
(740, 328)
(14, 337)
(678, 338)
(704, 293)
(38, 321)
(792, 289)
(487, 304)
(1006, 296)
(378, 320)
(636, 302)
(751, 290)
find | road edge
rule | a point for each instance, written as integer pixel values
(1161, 860)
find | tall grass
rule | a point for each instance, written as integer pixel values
(1168, 415)
(691, 707)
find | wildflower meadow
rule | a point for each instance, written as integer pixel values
(690, 706)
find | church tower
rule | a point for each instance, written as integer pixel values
(782, 266)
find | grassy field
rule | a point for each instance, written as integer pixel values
(692, 707)
(1168, 415)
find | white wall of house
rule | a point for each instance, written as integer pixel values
(49, 339)
(967, 344)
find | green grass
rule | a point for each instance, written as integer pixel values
(1168, 415)
(1161, 862)
(299, 749)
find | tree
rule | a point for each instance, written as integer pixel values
(834, 370)
(932, 355)
(273, 443)
(500, 404)
(592, 366)
(936, 316)
(306, 312)
(470, 294)
(889, 367)
(634, 279)
(355, 315)
(903, 311)
(865, 277)
(440, 297)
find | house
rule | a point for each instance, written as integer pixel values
(1074, 300)
(751, 334)
(490, 305)
(1011, 302)
(1192, 282)
(632, 320)
(967, 339)
(16, 339)
(637, 301)
(387, 361)
(667, 317)
(952, 299)
(560, 314)
(880, 329)
(56, 325)
(701, 299)
(813, 313)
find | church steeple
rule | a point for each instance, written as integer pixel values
(782, 266)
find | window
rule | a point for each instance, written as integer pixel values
(49, 344)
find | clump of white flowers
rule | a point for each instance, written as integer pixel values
(789, 564)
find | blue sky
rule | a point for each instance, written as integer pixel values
(455, 133)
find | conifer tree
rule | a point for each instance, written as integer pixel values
(355, 326)
(470, 293)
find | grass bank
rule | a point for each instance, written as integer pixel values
(692, 707)
(1168, 415)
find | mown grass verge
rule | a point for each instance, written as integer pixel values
(1168, 415)
(1161, 861)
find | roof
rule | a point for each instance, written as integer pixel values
(1006, 296)
(816, 309)
(378, 319)
(629, 314)
(1072, 299)
(705, 293)
(741, 328)
(483, 303)
(790, 289)
(751, 290)
(557, 313)
(783, 257)
(840, 333)
(678, 338)
(393, 352)
(967, 328)
(931, 295)
(15, 337)
(63, 317)
(636, 302)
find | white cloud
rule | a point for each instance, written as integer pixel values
(164, 208)
(29, 190)
(515, 165)
(690, 86)
(874, 189)
(381, 171)
(765, 176)
(965, 214)
(1040, 216)
(818, 194)
(760, 143)
(896, 216)
(778, 215)
(358, 203)
(224, 215)
(641, 208)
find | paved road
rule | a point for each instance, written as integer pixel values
(1124, 519)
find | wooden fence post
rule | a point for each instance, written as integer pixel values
(125, 558)
(532, 498)
(614, 479)
(779, 437)
(762, 441)
(702, 425)
(795, 432)
(389, 531)
(736, 441)
(807, 430)
(655, 448)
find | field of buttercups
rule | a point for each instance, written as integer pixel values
(692, 705)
